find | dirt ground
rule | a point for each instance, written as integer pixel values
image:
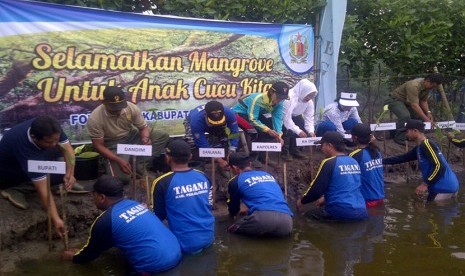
(23, 234)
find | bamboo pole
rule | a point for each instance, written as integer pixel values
(49, 214)
(444, 97)
(213, 184)
(134, 172)
(63, 197)
(148, 191)
(285, 179)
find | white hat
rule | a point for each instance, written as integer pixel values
(348, 99)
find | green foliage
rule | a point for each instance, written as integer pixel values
(273, 11)
(409, 36)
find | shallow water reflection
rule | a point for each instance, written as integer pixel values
(403, 237)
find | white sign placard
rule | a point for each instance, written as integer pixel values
(138, 150)
(382, 126)
(309, 141)
(427, 125)
(447, 124)
(460, 126)
(347, 136)
(266, 146)
(53, 167)
(211, 152)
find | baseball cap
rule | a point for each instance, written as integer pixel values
(414, 124)
(348, 99)
(281, 89)
(215, 113)
(109, 186)
(238, 159)
(332, 137)
(114, 98)
(178, 148)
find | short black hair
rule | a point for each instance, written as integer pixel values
(435, 78)
(44, 126)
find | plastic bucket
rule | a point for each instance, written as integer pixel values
(86, 168)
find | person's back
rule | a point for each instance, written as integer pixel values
(372, 178)
(187, 197)
(343, 199)
(268, 212)
(184, 198)
(259, 191)
(147, 243)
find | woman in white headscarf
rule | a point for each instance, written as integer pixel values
(298, 117)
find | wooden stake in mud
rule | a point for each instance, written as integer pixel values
(63, 197)
(49, 214)
(149, 192)
(266, 160)
(134, 171)
(134, 150)
(312, 173)
(213, 183)
(285, 179)
(212, 153)
(47, 168)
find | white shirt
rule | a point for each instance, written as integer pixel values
(295, 106)
(337, 116)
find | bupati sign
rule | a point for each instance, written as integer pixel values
(58, 60)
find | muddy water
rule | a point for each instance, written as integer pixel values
(404, 237)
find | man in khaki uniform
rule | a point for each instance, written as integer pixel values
(117, 121)
(410, 101)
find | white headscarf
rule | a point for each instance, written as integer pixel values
(296, 106)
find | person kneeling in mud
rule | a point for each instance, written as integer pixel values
(438, 178)
(336, 187)
(268, 213)
(128, 225)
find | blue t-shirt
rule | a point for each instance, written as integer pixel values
(371, 174)
(259, 191)
(199, 126)
(338, 179)
(128, 225)
(184, 198)
(17, 147)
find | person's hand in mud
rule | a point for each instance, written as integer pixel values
(59, 226)
(69, 181)
(68, 255)
(223, 164)
(299, 204)
(124, 166)
(243, 210)
(421, 190)
(320, 202)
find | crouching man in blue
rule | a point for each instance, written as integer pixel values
(184, 198)
(148, 244)
(268, 213)
(438, 178)
(336, 187)
(220, 123)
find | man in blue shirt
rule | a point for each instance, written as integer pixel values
(40, 139)
(219, 122)
(184, 198)
(336, 187)
(439, 181)
(128, 225)
(268, 213)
